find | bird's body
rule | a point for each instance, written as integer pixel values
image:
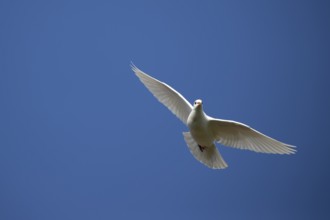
(199, 127)
(204, 130)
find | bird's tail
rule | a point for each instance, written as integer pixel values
(209, 156)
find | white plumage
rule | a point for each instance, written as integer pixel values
(205, 130)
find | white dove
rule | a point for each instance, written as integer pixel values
(205, 130)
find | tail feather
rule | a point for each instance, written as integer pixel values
(209, 157)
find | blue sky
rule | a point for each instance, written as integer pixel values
(81, 138)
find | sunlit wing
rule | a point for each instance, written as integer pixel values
(172, 99)
(238, 135)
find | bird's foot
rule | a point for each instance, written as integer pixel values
(201, 148)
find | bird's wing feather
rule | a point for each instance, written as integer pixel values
(238, 135)
(172, 99)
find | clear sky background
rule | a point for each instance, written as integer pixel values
(82, 138)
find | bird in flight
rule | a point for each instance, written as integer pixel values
(204, 130)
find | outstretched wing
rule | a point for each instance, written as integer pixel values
(173, 100)
(238, 135)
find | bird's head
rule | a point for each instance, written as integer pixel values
(198, 103)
